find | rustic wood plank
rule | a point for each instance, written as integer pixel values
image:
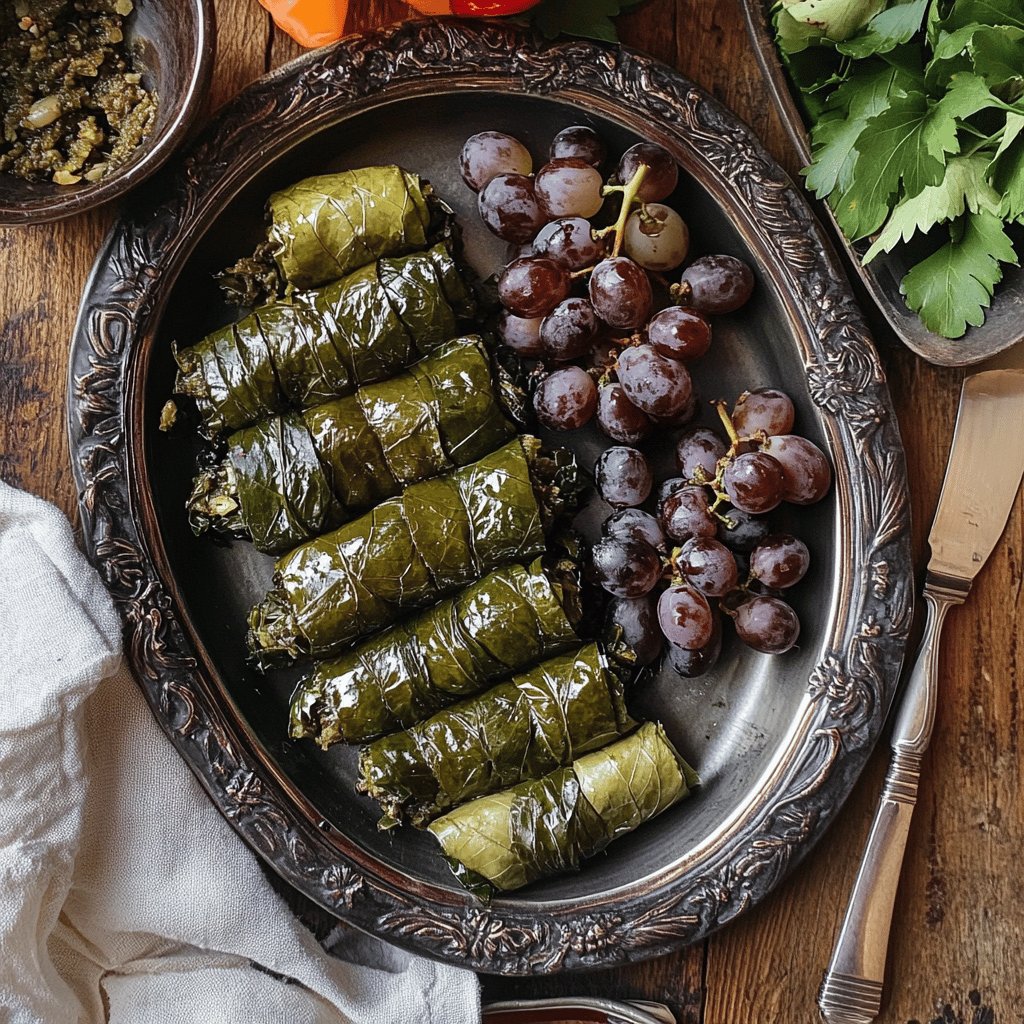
(956, 945)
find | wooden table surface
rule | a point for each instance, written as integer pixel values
(957, 953)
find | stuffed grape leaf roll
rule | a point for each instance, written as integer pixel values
(324, 227)
(521, 729)
(510, 619)
(363, 328)
(546, 826)
(435, 538)
(292, 477)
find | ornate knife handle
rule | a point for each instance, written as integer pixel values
(851, 992)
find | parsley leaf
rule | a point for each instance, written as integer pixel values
(963, 187)
(986, 12)
(905, 142)
(953, 287)
(887, 29)
(1007, 168)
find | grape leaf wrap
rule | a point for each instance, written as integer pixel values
(299, 475)
(546, 826)
(521, 729)
(510, 619)
(437, 537)
(363, 328)
(324, 227)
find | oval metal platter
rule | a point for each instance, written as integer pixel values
(1002, 327)
(778, 741)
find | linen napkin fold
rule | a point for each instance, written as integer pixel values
(124, 895)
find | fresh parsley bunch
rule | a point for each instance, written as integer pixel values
(917, 111)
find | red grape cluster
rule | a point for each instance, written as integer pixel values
(580, 298)
(709, 539)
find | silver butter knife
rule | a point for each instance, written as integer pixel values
(982, 477)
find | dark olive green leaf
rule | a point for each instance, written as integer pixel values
(546, 826)
(522, 729)
(440, 535)
(510, 619)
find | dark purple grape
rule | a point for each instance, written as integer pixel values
(633, 623)
(488, 154)
(805, 469)
(708, 565)
(690, 664)
(699, 449)
(765, 409)
(666, 488)
(624, 568)
(656, 385)
(569, 241)
(687, 414)
(634, 524)
(686, 618)
(686, 514)
(662, 171)
(569, 330)
(754, 482)
(679, 333)
(509, 208)
(568, 187)
(621, 292)
(580, 142)
(623, 477)
(532, 286)
(746, 531)
(566, 399)
(716, 284)
(767, 624)
(521, 335)
(780, 561)
(619, 418)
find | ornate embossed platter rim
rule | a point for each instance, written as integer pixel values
(849, 691)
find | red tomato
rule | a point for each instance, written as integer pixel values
(473, 8)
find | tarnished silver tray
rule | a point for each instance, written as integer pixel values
(779, 742)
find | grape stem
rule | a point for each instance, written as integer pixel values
(629, 197)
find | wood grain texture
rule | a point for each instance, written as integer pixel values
(959, 932)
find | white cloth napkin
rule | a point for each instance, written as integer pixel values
(124, 896)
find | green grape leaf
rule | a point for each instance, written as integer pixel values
(906, 142)
(838, 19)
(963, 187)
(591, 19)
(887, 29)
(1006, 171)
(953, 287)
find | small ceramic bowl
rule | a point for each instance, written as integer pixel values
(175, 43)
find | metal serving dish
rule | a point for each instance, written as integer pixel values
(778, 742)
(1002, 327)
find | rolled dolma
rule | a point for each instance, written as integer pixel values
(363, 328)
(521, 729)
(439, 536)
(292, 477)
(510, 619)
(549, 825)
(324, 227)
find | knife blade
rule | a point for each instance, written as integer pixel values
(986, 463)
(985, 467)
